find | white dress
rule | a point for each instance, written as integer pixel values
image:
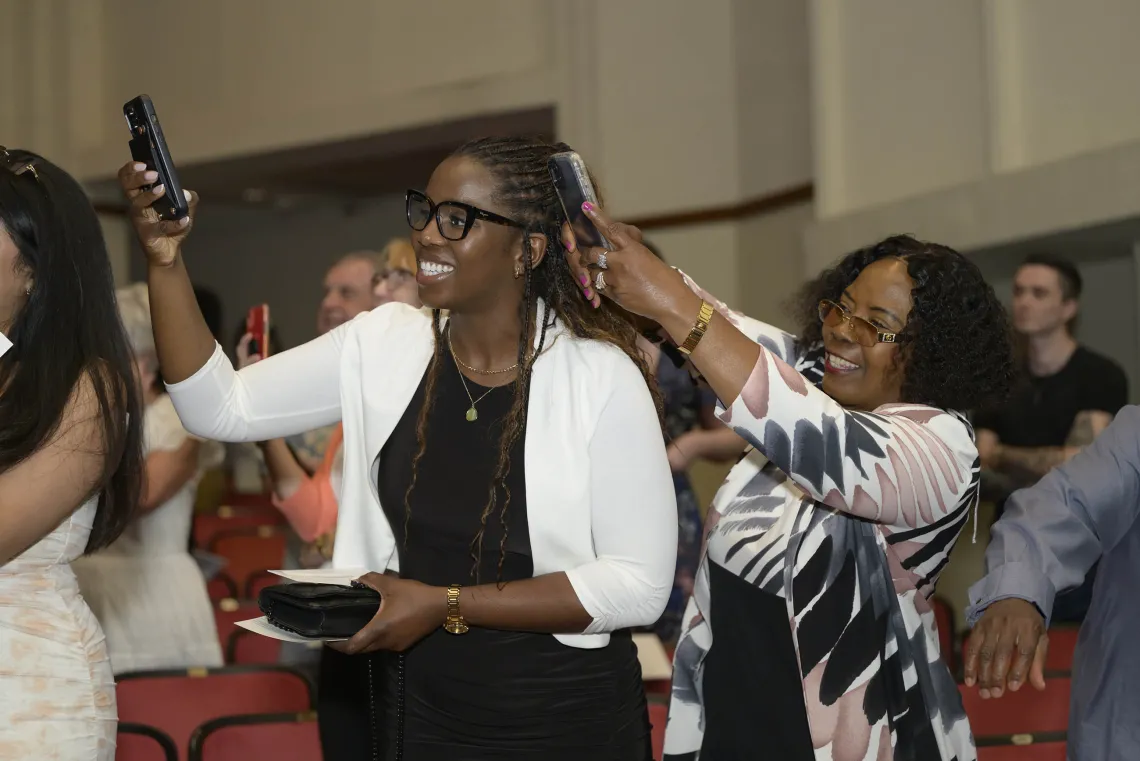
(57, 694)
(146, 589)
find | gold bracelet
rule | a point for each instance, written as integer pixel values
(698, 331)
(455, 624)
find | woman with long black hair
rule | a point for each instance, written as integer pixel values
(507, 461)
(70, 461)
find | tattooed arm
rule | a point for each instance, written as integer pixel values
(1026, 465)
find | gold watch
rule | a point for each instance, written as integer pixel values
(698, 331)
(454, 624)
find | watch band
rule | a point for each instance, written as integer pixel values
(698, 331)
(454, 624)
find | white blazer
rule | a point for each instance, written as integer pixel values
(599, 490)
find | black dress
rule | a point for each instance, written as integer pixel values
(487, 694)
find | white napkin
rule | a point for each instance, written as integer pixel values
(264, 628)
(342, 576)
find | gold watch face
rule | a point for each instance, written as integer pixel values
(456, 627)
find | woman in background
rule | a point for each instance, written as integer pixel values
(396, 278)
(146, 589)
(70, 461)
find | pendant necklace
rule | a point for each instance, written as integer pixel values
(472, 414)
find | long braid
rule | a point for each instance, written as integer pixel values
(422, 418)
(527, 192)
(514, 423)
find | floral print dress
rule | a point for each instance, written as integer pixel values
(849, 518)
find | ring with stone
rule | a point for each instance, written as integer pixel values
(602, 259)
(600, 282)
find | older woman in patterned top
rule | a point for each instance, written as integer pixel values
(809, 633)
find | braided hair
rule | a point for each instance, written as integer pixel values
(526, 193)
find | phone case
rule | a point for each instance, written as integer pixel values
(148, 146)
(257, 325)
(572, 181)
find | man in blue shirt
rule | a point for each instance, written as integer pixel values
(1050, 535)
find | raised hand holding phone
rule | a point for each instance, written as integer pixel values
(148, 146)
(161, 211)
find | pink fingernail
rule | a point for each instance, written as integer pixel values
(583, 279)
(588, 206)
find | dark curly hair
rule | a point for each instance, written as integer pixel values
(527, 194)
(957, 347)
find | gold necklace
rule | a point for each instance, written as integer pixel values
(475, 370)
(472, 414)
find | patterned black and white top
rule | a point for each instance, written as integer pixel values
(849, 517)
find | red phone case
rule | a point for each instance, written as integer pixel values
(257, 325)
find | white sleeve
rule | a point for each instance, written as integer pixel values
(289, 393)
(633, 512)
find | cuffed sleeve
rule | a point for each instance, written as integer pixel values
(633, 513)
(1052, 533)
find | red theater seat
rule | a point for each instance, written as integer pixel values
(1024, 711)
(1049, 746)
(178, 701)
(280, 737)
(250, 550)
(245, 647)
(137, 742)
(658, 714)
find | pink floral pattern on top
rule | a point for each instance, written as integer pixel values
(849, 517)
(57, 694)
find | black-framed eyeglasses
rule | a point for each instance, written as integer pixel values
(454, 218)
(865, 333)
(18, 166)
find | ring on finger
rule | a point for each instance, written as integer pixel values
(600, 282)
(602, 259)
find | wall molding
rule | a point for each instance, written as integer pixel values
(753, 207)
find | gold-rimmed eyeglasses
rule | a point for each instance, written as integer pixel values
(865, 333)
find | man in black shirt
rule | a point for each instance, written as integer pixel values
(1067, 395)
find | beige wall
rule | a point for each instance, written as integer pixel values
(975, 122)
(232, 77)
(678, 105)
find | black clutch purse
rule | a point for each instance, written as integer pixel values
(320, 611)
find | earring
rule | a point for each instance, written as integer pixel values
(28, 291)
(518, 271)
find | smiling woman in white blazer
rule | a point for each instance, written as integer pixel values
(523, 384)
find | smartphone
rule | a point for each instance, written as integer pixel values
(148, 146)
(572, 182)
(257, 325)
